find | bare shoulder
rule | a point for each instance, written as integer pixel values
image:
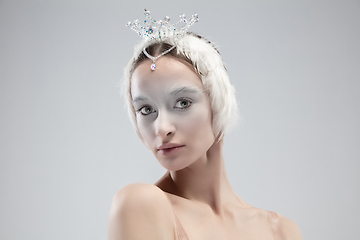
(284, 228)
(140, 211)
(135, 193)
(290, 228)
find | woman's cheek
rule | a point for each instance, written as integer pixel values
(199, 122)
(145, 129)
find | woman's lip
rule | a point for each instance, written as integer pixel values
(168, 146)
(171, 150)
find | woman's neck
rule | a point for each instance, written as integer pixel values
(204, 181)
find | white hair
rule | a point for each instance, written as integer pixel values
(207, 62)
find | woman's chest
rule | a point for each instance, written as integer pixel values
(208, 230)
(198, 221)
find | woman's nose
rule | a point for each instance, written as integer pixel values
(164, 126)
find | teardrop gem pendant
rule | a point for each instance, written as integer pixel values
(153, 66)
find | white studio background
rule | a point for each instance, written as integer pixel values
(67, 146)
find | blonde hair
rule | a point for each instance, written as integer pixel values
(205, 59)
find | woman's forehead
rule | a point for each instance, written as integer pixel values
(170, 74)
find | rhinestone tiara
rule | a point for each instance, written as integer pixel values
(160, 29)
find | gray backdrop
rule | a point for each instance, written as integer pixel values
(67, 145)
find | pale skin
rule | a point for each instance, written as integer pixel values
(175, 121)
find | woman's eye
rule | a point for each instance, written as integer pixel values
(146, 110)
(183, 103)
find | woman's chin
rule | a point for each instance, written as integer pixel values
(172, 166)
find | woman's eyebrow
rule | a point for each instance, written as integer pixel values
(139, 98)
(172, 91)
(180, 89)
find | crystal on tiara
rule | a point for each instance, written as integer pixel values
(153, 66)
(158, 30)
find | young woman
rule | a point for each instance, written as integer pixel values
(181, 104)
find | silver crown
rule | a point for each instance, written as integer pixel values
(154, 29)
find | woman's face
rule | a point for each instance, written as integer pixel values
(173, 113)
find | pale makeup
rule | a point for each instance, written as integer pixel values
(174, 120)
(173, 112)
